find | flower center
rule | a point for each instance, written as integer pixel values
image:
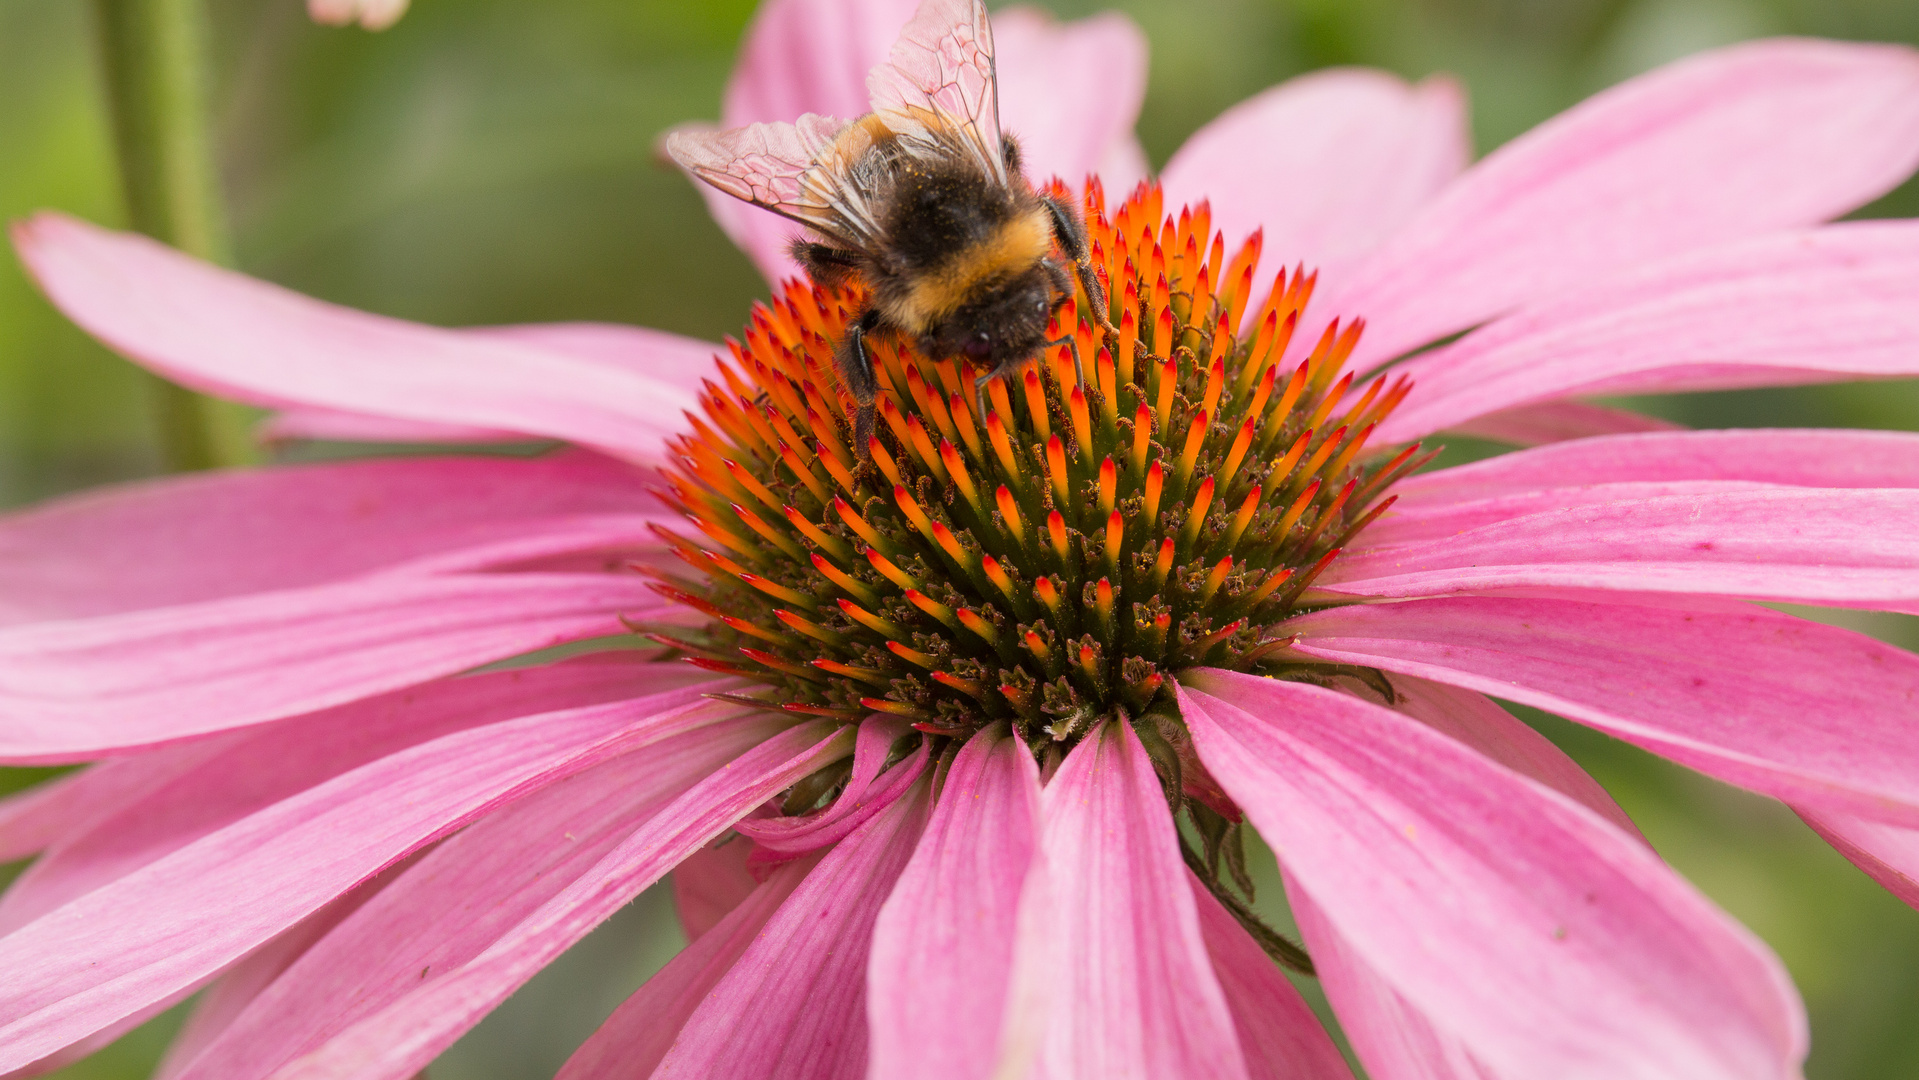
(1051, 563)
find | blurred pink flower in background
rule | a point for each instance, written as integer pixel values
(370, 14)
(305, 806)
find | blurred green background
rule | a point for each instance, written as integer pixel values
(490, 161)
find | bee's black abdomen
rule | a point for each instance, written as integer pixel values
(938, 208)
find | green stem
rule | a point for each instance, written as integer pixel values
(152, 55)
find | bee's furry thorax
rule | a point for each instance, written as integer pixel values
(1011, 248)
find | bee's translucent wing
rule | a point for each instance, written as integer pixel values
(791, 169)
(938, 91)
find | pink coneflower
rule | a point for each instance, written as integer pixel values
(987, 718)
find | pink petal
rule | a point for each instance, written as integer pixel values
(1845, 548)
(1812, 306)
(858, 800)
(296, 422)
(638, 1034)
(1328, 164)
(212, 535)
(458, 899)
(1423, 524)
(799, 56)
(1890, 853)
(1070, 92)
(710, 883)
(229, 996)
(943, 943)
(1282, 1038)
(177, 921)
(1480, 723)
(1548, 942)
(1557, 421)
(98, 1041)
(1124, 165)
(258, 767)
(72, 690)
(231, 335)
(795, 1003)
(670, 358)
(1806, 458)
(1111, 975)
(1391, 1036)
(1815, 715)
(1717, 147)
(398, 1041)
(804, 56)
(68, 806)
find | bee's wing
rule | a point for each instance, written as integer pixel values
(937, 91)
(790, 169)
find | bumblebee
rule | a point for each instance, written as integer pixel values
(922, 201)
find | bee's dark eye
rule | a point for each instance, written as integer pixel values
(979, 346)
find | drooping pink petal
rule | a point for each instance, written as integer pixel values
(212, 535)
(1545, 940)
(184, 917)
(1328, 164)
(943, 943)
(1840, 547)
(97, 1041)
(794, 1005)
(1438, 522)
(670, 358)
(1890, 853)
(1111, 976)
(398, 1041)
(1801, 457)
(258, 767)
(1715, 148)
(710, 883)
(1394, 1039)
(1070, 92)
(1480, 723)
(296, 422)
(638, 1034)
(237, 337)
(459, 898)
(1278, 1032)
(1558, 421)
(67, 806)
(858, 800)
(72, 690)
(229, 995)
(1817, 305)
(1815, 715)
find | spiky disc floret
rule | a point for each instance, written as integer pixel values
(1057, 560)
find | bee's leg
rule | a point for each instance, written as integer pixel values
(828, 266)
(1070, 234)
(856, 367)
(1072, 346)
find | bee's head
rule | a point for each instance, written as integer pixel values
(1005, 323)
